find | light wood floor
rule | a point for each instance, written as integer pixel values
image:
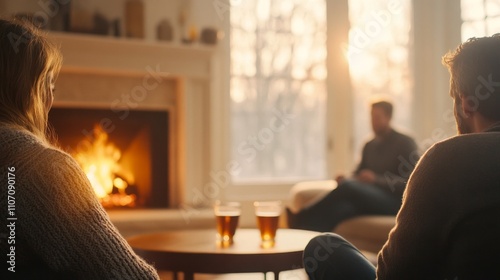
(298, 274)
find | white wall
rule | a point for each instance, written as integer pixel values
(9, 6)
(436, 31)
(340, 96)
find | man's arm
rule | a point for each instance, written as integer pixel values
(362, 164)
(407, 156)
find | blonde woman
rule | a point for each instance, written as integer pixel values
(54, 226)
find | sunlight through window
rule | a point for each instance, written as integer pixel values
(278, 89)
(379, 63)
(480, 18)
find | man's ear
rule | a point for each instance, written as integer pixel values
(467, 107)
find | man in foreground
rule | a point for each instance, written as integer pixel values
(449, 223)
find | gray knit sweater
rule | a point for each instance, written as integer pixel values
(449, 224)
(59, 229)
(392, 158)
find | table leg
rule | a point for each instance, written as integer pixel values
(188, 275)
(276, 275)
(176, 277)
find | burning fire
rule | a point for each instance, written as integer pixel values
(100, 162)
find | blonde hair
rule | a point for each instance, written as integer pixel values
(27, 60)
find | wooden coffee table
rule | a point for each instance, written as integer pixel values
(195, 251)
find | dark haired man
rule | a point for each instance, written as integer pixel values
(378, 182)
(449, 223)
(388, 159)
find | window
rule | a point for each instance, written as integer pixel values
(278, 89)
(480, 18)
(379, 62)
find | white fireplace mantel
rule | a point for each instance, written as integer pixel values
(190, 68)
(127, 55)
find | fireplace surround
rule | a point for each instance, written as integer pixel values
(122, 77)
(133, 149)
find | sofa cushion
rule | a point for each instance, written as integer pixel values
(305, 194)
(367, 232)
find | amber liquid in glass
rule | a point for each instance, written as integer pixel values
(226, 227)
(268, 224)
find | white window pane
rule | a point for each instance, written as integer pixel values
(473, 29)
(472, 10)
(480, 18)
(493, 25)
(278, 89)
(379, 61)
(492, 8)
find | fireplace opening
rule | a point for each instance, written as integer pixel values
(125, 155)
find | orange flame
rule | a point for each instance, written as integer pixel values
(100, 162)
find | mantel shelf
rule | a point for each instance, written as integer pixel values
(84, 52)
(88, 38)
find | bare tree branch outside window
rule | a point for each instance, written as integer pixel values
(278, 89)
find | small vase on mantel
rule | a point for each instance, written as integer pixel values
(134, 19)
(164, 31)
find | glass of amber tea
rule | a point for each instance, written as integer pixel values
(227, 215)
(268, 213)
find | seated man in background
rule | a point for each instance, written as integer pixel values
(449, 224)
(378, 182)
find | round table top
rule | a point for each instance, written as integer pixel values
(197, 251)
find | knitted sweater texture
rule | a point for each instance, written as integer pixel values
(61, 230)
(449, 224)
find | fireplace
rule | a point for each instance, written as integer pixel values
(100, 120)
(143, 89)
(126, 159)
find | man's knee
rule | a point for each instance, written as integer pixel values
(330, 256)
(321, 249)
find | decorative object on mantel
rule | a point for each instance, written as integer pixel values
(209, 36)
(187, 36)
(164, 31)
(60, 20)
(115, 31)
(134, 19)
(46, 18)
(192, 35)
(80, 19)
(101, 24)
